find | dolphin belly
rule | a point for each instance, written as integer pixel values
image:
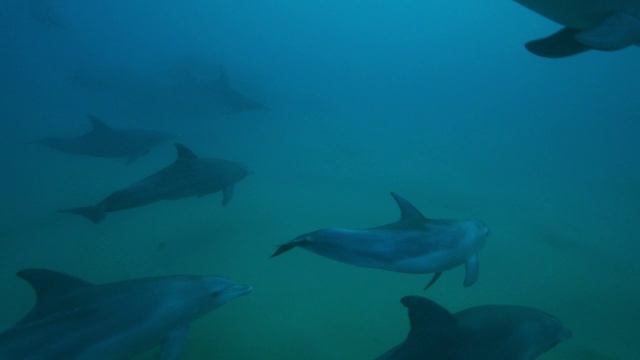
(406, 252)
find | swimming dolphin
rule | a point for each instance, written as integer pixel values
(413, 244)
(487, 332)
(232, 100)
(105, 141)
(75, 319)
(589, 24)
(188, 176)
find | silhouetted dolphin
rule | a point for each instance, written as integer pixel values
(188, 176)
(232, 100)
(589, 24)
(413, 244)
(105, 141)
(490, 332)
(75, 319)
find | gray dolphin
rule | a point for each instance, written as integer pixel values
(75, 319)
(105, 141)
(231, 99)
(413, 244)
(487, 332)
(188, 176)
(589, 24)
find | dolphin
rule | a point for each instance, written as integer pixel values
(75, 319)
(188, 176)
(232, 100)
(413, 244)
(105, 141)
(489, 332)
(588, 24)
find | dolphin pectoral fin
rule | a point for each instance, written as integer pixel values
(615, 32)
(561, 44)
(473, 270)
(227, 194)
(173, 344)
(433, 280)
(94, 213)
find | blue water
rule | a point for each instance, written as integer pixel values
(438, 101)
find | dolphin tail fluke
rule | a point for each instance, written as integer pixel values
(290, 245)
(284, 248)
(95, 213)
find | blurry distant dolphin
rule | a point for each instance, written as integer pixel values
(589, 24)
(188, 176)
(413, 244)
(232, 100)
(75, 319)
(491, 332)
(105, 141)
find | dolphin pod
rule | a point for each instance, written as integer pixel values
(75, 319)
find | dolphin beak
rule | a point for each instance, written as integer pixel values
(238, 290)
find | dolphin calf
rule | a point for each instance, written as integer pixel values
(413, 244)
(105, 141)
(487, 332)
(75, 319)
(589, 24)
(188, 176)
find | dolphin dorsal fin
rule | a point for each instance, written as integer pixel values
(49, 283)
(98, 125)
(184, 153)
(407, 210)
(426, 317)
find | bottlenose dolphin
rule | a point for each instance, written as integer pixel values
(589, 24)
(188, 176)
(105, 141)
(489, 332)
(413, 244)
(75, 319)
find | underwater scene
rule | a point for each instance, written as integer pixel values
(249, 179)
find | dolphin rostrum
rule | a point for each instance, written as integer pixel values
(188, 176)
(489, 332)
(108, 142)
(589, 24)
(413, 244)
(75, 319)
